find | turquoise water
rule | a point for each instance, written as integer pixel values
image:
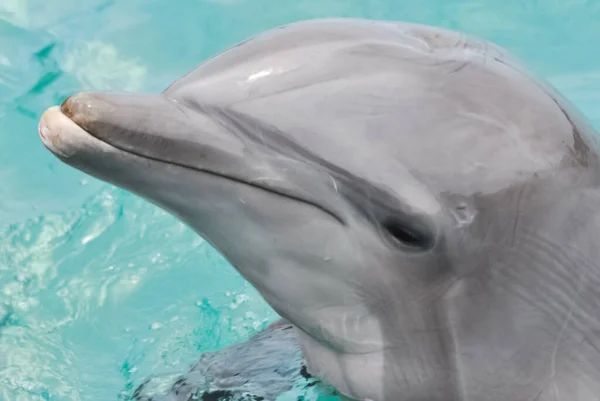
(98, 289)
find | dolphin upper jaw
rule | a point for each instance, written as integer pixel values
(87, 121)
(63, 137)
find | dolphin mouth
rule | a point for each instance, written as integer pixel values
(60, 134)
(65, 129)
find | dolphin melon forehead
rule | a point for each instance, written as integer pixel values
(407, 107)
(293, 46)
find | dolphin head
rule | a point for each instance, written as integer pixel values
(354, 173)
(294, 163)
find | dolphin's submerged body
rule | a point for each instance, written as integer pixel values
(419, 208)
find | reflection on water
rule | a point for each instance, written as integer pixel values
(98, 289)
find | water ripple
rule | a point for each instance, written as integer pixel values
(64, 279)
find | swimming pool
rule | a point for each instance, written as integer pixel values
(100, 290)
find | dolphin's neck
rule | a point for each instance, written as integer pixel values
(524, 317)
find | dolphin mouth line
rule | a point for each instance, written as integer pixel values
(282, 193)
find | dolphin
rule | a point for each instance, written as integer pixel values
(420, 207)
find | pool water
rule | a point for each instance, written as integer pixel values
(100, 290)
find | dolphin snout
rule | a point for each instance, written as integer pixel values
(67, 129)
(85, 108)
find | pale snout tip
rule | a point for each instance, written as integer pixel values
(58, 132)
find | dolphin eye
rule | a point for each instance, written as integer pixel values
(407, 236)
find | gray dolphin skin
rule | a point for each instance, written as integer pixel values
(422, 209)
